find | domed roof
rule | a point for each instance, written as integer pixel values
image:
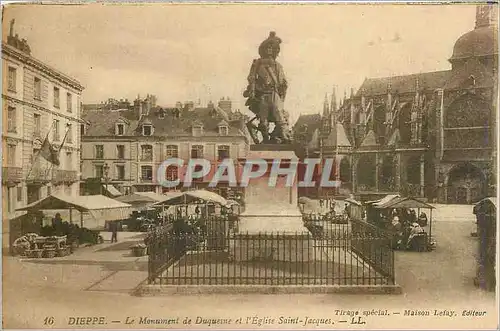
(482, 41)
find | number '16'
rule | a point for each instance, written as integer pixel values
(48, 321)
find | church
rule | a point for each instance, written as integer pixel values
(429, 135)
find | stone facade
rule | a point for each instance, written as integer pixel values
(36, 99)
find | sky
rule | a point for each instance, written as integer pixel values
(204, 52)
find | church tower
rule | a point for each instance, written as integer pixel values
(486, 15)
(333, 109)
(325, 107)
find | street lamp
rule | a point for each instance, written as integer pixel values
(106, 176)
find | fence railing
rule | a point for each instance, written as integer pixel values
(377, 252)
(213, 253)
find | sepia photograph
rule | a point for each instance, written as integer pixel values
(249, 165)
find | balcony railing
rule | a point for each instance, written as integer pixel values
(39, 175)
(52, 175)
(65, 176)
(11, 174)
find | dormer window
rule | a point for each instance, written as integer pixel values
(120, 129)
(197, 130)
(147, 130)
(223, 130)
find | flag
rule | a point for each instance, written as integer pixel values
(49, 153)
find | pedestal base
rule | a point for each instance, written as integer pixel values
(272, 219)
(296, 248)
(272, 234)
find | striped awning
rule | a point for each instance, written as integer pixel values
(113, 191)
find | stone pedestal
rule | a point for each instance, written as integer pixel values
(271, 227)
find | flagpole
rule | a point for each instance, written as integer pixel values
(38, 154)
(59, 150)
(64, 139)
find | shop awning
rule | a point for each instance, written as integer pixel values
(113, 191)
(193, 196)
(141, 200)
(353, 201)
(382, 201)
(399, 202)
(100, 207)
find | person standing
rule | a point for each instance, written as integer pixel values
(114, 231)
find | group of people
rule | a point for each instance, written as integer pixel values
(408, 228)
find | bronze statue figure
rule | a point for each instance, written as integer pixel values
(266, 94)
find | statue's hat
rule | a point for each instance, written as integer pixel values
(272, 39)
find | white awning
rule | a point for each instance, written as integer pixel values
(113, 191)
(100, 207)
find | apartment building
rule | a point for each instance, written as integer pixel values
(39, 102)
(124, 152)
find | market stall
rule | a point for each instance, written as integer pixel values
(193, 196)
(404, 217)
(99, 207)
(63, 235)
(354, 209)
(144, 214)
(206, 226)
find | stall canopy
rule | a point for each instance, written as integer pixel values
(112, 191)
(100, 207)
(382, 201)
(191, 197)
(399, 202)
(144, 198)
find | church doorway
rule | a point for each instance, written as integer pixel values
(466, 184)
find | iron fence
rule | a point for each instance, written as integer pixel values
(378, 252)
(214, 253)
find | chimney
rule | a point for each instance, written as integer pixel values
(140, 110)
(225, 104)
(12, 22)
(189, 105)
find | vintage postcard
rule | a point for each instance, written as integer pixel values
(249, 166)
